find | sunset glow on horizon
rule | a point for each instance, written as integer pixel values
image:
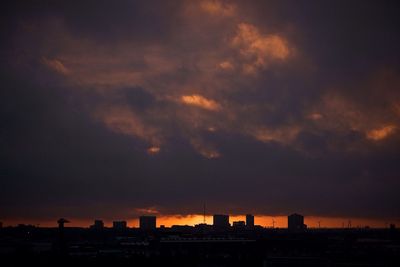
(265, 221)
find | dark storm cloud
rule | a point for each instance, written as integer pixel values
(101, 20)
(252, 106)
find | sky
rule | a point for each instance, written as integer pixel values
(116, 109)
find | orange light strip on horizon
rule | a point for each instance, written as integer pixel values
(191, 220)
(276, 221)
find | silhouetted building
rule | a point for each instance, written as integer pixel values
(221, 221)
(203, 227)
(147, 222)
(61, 223)
(182, 228)
(61, 246)
(1, 225)
(249, 220)
(98, 224)
(119, 225)
(296, 222)
(239, 224)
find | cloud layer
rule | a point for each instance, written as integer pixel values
(251, 106)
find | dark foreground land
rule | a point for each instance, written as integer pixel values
(188, 246)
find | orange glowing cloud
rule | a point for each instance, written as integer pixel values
(259, 50)
(226, 65)
(315, 116)
(206, 150)
(201, 102)
(149, 210)
(56, 65)
(380, 133)
(283, 135)
(396, 108)
(217, 8)
(152, 66)
(342, 114)
(153, 150)
(123, 120)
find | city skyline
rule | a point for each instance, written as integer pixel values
(279, 221)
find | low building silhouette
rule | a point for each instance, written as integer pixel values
(221, 221)
(239, 225)
(98, 225)
(203, 227)
(147, 222)
(119, 225)
(296, 222)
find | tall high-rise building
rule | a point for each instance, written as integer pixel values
(296, 222)
(221, 221)
(119, 225)
(147, 222)
(249, 220)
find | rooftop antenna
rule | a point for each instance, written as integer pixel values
(319, 224)
(204, 213)
(273, 223)
(349, 224)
